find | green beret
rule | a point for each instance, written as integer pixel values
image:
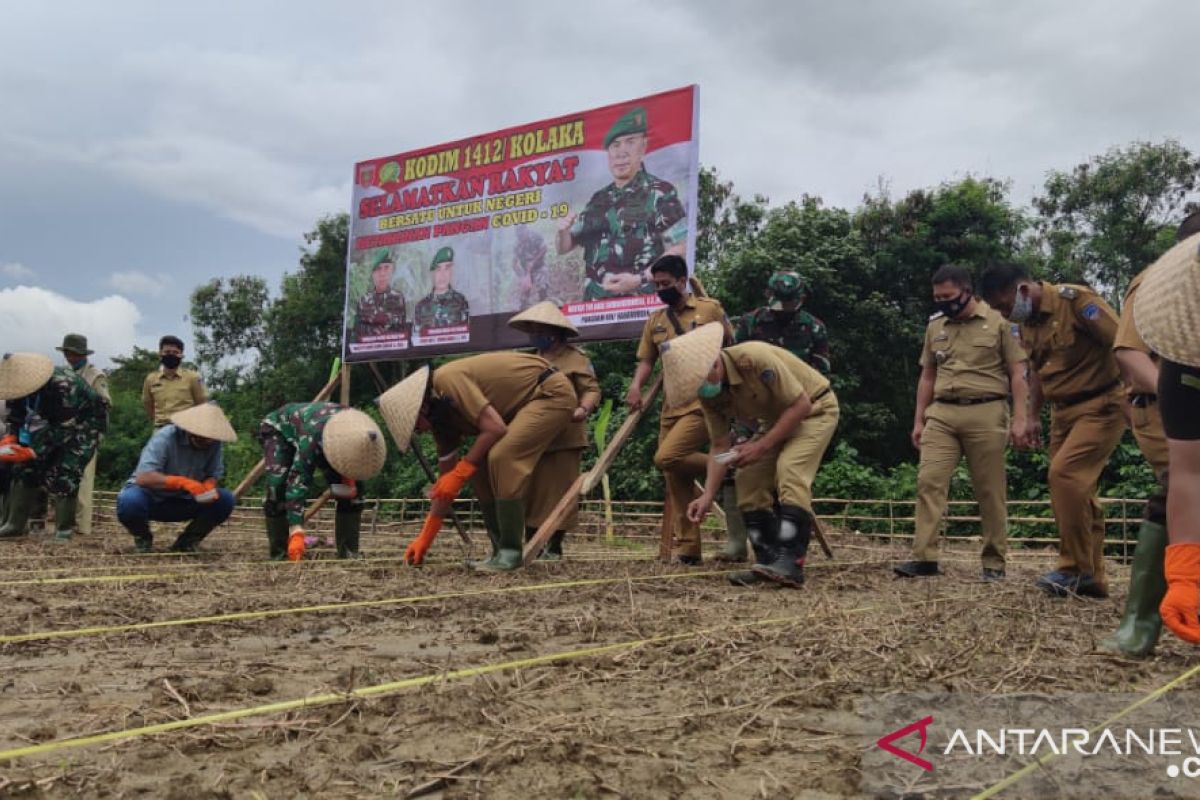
(442, 256)
(384, 257)
(632, 121)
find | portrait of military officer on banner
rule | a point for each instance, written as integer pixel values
(381, 310)
(630, 222)
(444, 306)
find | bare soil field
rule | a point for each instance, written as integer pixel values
(605, 675)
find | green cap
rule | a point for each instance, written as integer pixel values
(75, 343)
(785, 286)
(384, 257)
(632, 121)
(442, 256)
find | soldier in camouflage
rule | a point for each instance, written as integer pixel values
(443, 307)
(53, 432)
(529, 262)
(783, 323)
(380, 311)
(628, 224)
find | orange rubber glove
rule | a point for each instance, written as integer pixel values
(1181, 605)
(178, 483)
(414, 554)
(8, 439)
(16, 453)
(210, 484)
(296, 543)
(449, 485)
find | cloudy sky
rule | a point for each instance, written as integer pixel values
(146, 147)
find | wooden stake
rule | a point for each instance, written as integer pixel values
(819, 532)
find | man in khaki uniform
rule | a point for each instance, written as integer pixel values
(75, 351)
(556, 471)
(798, 411)
(681, 432)
(170, 389)
(971, 358)
(515, 405)
(1068, 332)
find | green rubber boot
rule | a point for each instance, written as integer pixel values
(65, 509)
(20, 506)
(510, 520)
(487, 510)
(735, 528)
(277, 538)
(1141, 624)
(346, 527)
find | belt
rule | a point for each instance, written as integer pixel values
(819, 395)
(1142, 400)
(1083, 397)
(970, 401)
(546, 373)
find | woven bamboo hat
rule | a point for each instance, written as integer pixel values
(23, 373)
(354, 445)
(1166, 308)
(206, 420)
(687, 361)
(543, 313)
(401, 404)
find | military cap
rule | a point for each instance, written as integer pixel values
(442, 256)
(632, 121)
(384, 257)
(75, 343)
(785, 286)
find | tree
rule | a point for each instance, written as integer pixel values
(228, 326)
(1113, 215)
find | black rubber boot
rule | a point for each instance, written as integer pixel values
(554, 551)
(762, 530)
(65, 509)
(795, 530)
(346, 528)
(277, 538)
(20, 506)
(189, 540)
(510, 521)
(1141, 624)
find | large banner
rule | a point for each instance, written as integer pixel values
(448, 242)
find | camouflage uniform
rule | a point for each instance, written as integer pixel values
(799, 332)
(62, 423)
(624, 229)
(291, 442)
(529, 260)
(442, 310)
(380, 313)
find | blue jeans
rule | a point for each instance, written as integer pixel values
(136, 507)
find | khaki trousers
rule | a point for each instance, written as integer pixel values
(681, 457)
(788, 473)
(1148, 432)
(981, 433)
(83, 514)
(552, 478)
(1082, 437)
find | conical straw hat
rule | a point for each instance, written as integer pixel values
(401, 404)
(23, 373)
(687, 361)
(544, 313)
(1166, 308)
(206, 420)
(354, 445)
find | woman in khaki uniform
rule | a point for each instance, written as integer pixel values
(558, 467)
(797, 407)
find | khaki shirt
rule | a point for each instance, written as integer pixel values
(96, 378)
(1069, 340)
(171, 393)
(504, 381)
(696, 311)
(573, 363)
(761, 382)
(1127, 333)
(971, 355)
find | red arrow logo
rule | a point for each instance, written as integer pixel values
(918, 726)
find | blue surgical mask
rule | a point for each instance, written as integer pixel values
(77, 363)
(708, 390)
(542, 341)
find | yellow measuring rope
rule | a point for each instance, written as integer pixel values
(1041, 761)
(399, 686)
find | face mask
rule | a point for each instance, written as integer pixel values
(1022, 308)
(77, 363)
(670, 295)
(954, 306)
(199, 443)
(171, 362)
(708, 390)
(542, 341)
